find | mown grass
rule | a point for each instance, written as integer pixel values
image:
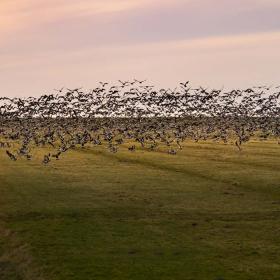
(210, 212)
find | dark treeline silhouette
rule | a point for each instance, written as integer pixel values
(136, 113)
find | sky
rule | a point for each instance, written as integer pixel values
(77, 43)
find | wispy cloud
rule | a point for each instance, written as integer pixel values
(31, 11)
(79, 41)
(233, 61)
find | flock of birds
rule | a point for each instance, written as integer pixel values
(138, 116)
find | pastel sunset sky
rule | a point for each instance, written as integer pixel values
(72, 43)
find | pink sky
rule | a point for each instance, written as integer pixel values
(50, 44)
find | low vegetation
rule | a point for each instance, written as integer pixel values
(210, 212)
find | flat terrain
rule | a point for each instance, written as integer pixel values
(209, 212)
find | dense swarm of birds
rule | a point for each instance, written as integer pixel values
(136, 114)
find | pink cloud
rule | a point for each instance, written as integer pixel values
(45, 44)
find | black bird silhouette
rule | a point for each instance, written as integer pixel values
(11, 156)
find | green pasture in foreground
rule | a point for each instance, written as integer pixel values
(209, 212)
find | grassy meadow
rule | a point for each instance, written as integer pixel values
(210, 212)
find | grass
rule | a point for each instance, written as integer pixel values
(208, 213)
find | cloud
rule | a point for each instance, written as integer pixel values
(22, 13)
(69, 24)
(44, 44)
(232, 61)
(185, 15)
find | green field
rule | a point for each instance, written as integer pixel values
(209, 212)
